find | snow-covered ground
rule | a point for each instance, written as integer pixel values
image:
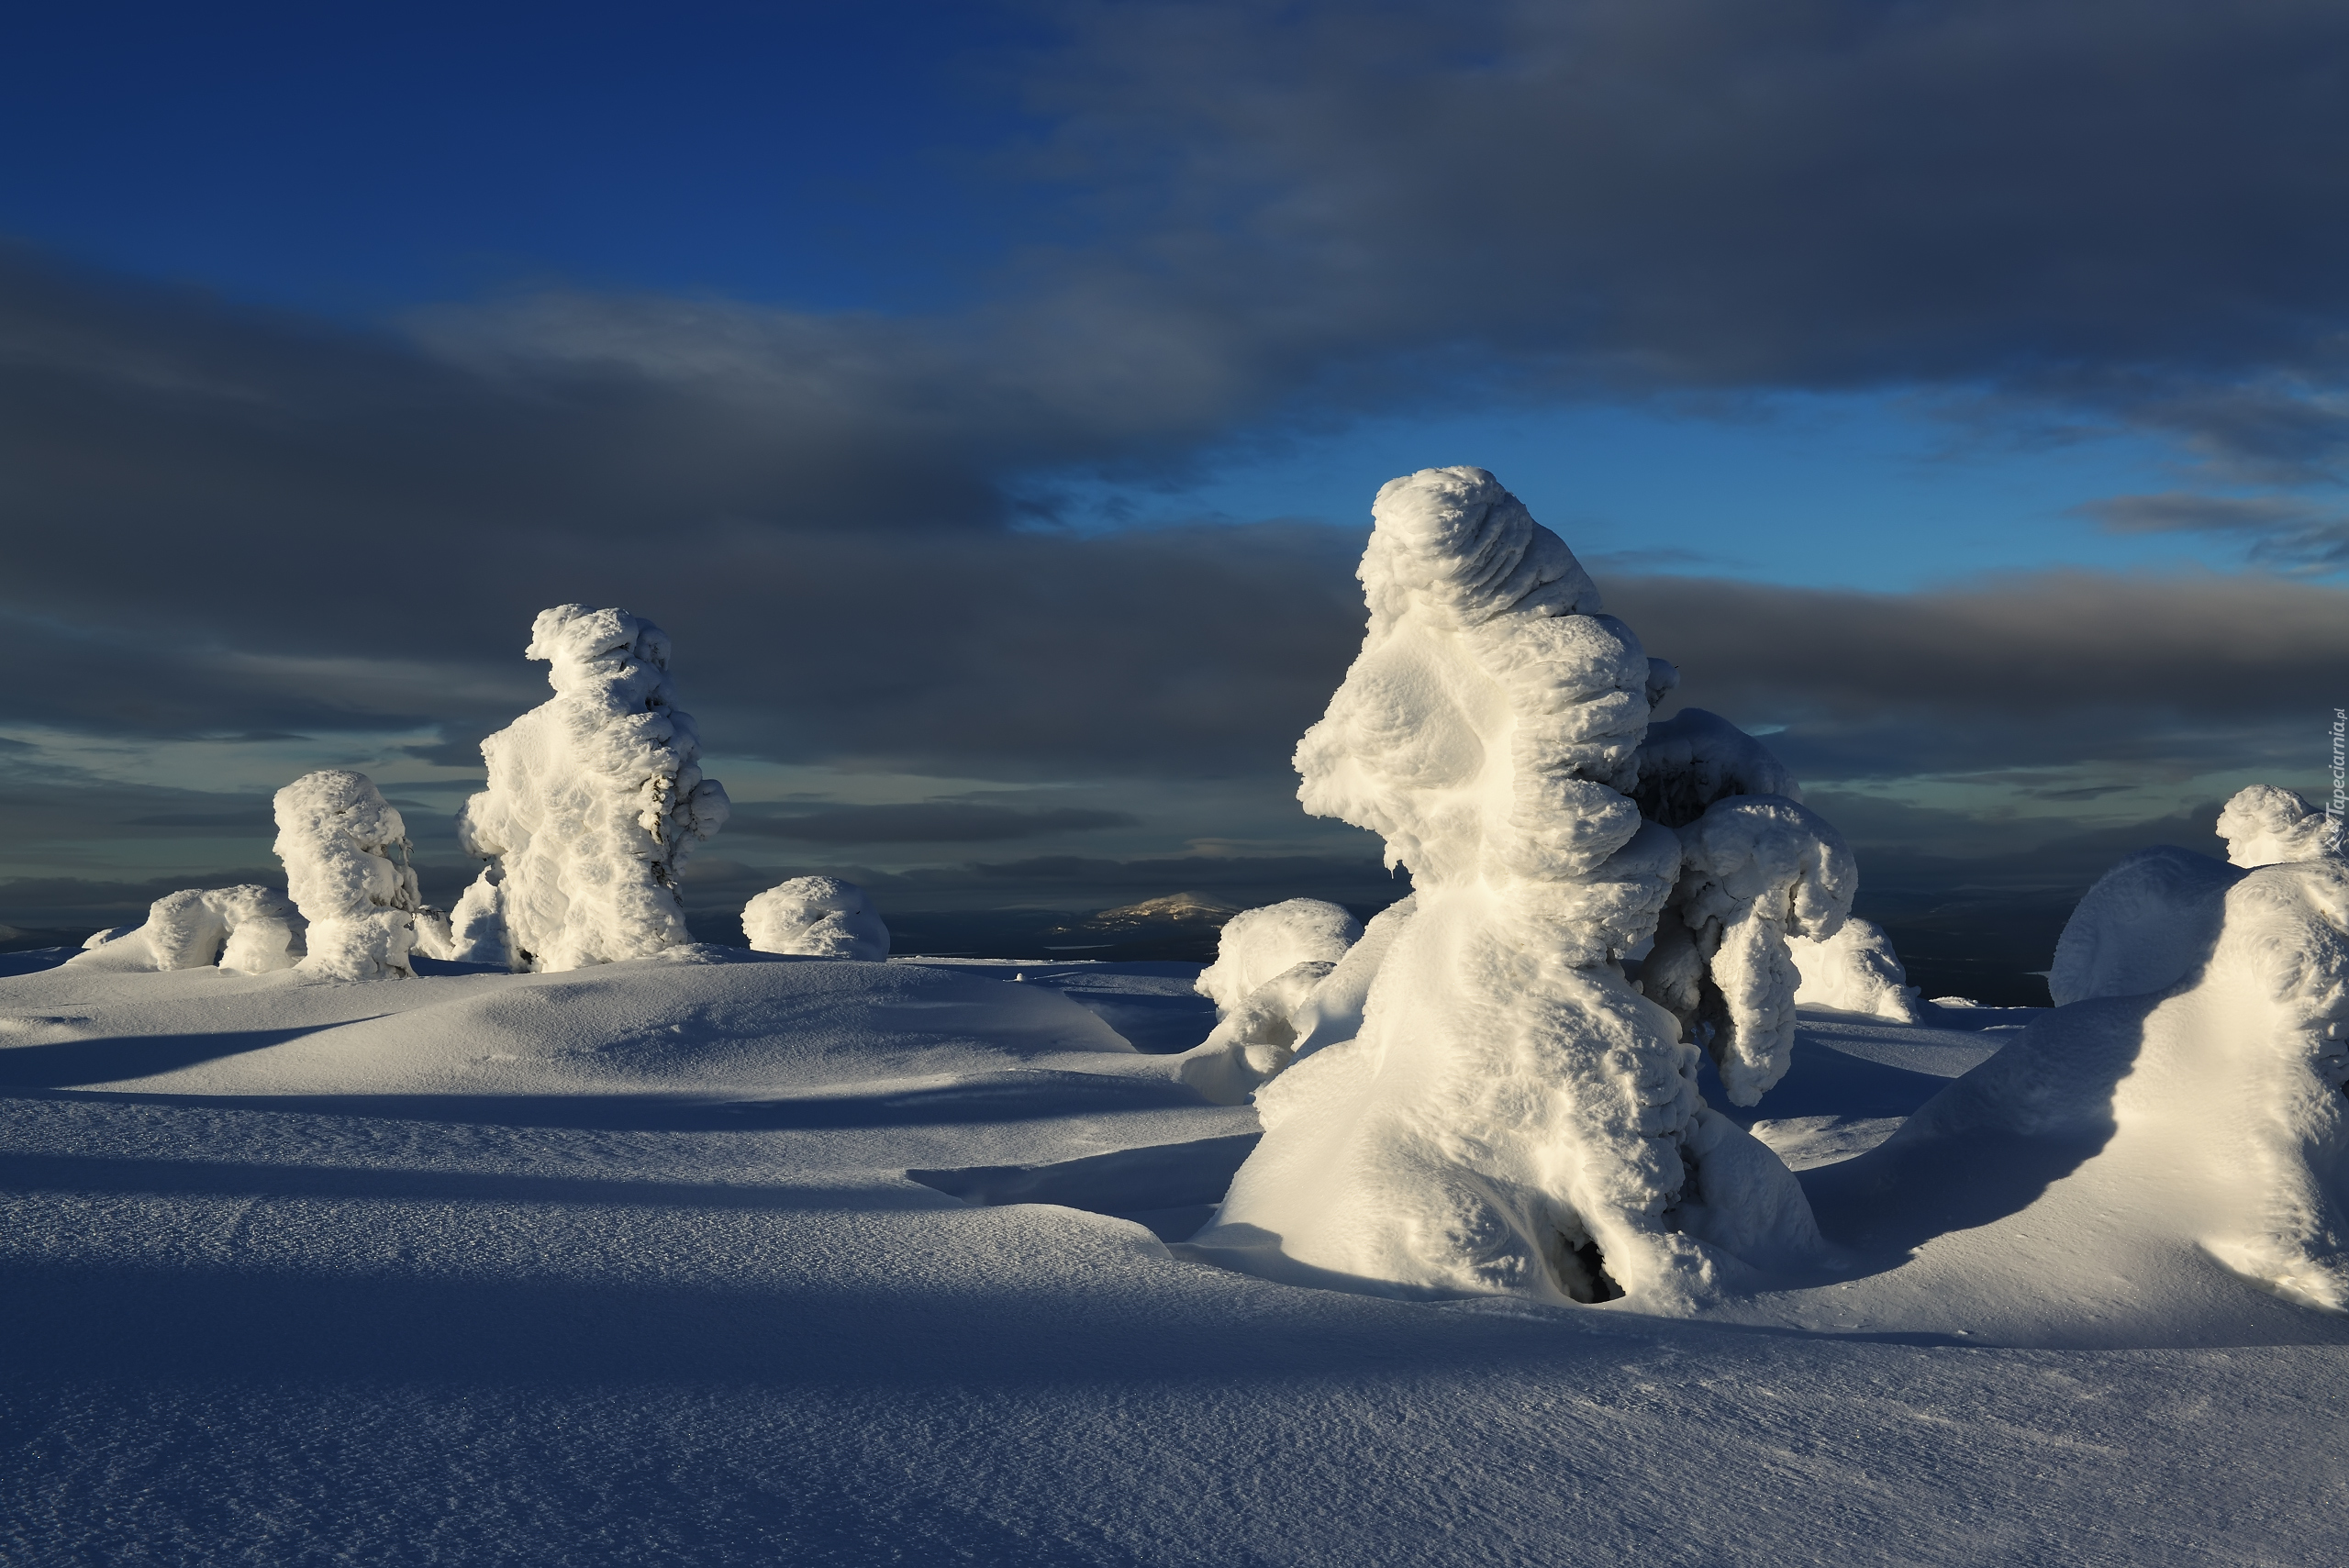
(723, 1257)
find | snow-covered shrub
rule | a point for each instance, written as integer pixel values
(817, 916)
(1257, 944)
(340, 839)
(248, 928)
(1512, 1115)
(2266, 826)
(1269, 963)
(595, 799)
(1855, 970)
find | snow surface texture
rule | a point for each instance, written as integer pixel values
(1855, 970)
(594, 800)
(624, 1265)
(1513, 1117)
(338, 836)
(1269, 964)
(817, 917)
(2264, 825)
(248, 928)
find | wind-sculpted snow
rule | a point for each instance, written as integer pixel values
(248, 928)
(1855, 970)
(817, 917)
(337, 836)
(1756, 871)
(594, 800)
(2264, 825)
(1512, 1115)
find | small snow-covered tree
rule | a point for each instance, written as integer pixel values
(1269, 963)
(816, 916)
(595, 799)
(345, 850)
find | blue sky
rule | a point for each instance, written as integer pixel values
(1004, 388)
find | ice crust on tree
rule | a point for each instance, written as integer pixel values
(339, 838)
(248, 928)
(595, 799)
(817, 917)
(2230, 988)
(1855, 970)
(1269, 963)
(2266, 825)
(1512, 1115)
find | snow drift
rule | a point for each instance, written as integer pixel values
(817, 917)
(1512, 1115)
(595, 799)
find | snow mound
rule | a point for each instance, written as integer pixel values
(1257, 944)
(1511, 1116)
(595, 799)
(336, 836)
(2266, 825)
(2147, 923)
(818, 917)
(1855, 970)
(248, 928)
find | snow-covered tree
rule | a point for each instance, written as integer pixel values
(595, 799)
(1510, 1113)
(816, 916)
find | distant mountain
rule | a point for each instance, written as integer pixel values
(1174, 909)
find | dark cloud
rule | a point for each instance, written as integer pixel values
(2171, 677)
(925, 822)
(2279, 531)
(2138, 203)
